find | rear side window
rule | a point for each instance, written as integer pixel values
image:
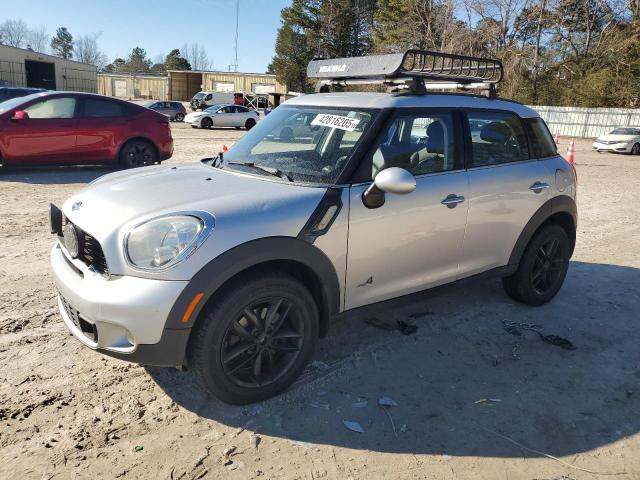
(542, 142)
(98, 108)
(497, 138)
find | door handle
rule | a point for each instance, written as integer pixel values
(452, 200)
(539, 186)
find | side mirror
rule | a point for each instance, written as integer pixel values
(20, 115)
(390, 180)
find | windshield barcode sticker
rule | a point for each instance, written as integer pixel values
(336, 121)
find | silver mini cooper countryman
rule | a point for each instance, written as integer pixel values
(234, 266)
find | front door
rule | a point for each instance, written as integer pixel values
(413, 241)
(47, 136)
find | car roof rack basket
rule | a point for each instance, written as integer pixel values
(416, 70)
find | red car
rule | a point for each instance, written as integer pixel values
(53, 128)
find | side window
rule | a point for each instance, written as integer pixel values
(421, 144)
(541, 140)
(96, 108)
(52, 108)
(497, 138)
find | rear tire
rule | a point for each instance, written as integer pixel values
(206, 122)
(179, 117)
(138, 153)
(235, 333)
(542, 269)
(249, 124)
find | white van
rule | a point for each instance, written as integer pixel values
(202, 100)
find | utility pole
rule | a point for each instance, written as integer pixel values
(235, 63)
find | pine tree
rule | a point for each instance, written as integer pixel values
(175, 61)
(62, 43)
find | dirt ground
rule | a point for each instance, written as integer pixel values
(68, 412)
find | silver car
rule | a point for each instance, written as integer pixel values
(223, 115)
(234, 266)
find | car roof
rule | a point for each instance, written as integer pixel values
(430, 100)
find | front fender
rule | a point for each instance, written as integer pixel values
(210, 278)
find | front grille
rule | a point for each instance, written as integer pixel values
(91, 253)
(88, 329)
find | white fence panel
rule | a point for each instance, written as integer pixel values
(587, 122)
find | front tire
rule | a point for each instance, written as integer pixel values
(249, 124)
(635, 150)
(138, 153)
(254, 338)
(179, 117)
(542, 269)
(206, 123)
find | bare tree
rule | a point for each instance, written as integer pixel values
(197, 56)
(38, 39)
(87, 50)
(14, 33)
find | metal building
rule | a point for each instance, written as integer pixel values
(133, 86)
(26, 68)
(184, 84)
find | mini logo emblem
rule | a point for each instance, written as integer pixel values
(76, 206)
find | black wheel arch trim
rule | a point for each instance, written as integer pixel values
(210, 278)
(559, 204)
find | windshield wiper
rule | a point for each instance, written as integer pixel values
(271, 171)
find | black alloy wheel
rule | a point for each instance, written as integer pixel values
(138, 153)
(254, 337)
(547, 267)
(262, 342)
(542, 269)
(206, 122)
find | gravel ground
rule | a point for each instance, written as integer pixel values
(67, 412)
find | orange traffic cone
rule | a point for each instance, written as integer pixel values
(571, 153)
(557, 138)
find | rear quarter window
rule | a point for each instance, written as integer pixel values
(542, 142)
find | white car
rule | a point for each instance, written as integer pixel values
(223, 115)
(623, 140)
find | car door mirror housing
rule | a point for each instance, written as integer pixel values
(390, 180)
(20, 115)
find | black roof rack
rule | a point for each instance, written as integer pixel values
(418, 70)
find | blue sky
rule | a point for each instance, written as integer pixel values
(158, 26)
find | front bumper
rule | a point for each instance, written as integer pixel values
(123, 317)
(621, 147)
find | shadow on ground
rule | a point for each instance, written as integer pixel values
(54, 175)
(550, 399)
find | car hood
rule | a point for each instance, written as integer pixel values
(120, 200)
(616, 138)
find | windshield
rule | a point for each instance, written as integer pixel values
(624, 131)
(198, 95)
(15, 102)
(213, 108)
(308, 144)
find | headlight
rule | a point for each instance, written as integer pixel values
(165, 241)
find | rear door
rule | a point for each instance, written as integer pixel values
(47, 136)
(414, 241)
(507, 185)
(224, 117)
(102, 125)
